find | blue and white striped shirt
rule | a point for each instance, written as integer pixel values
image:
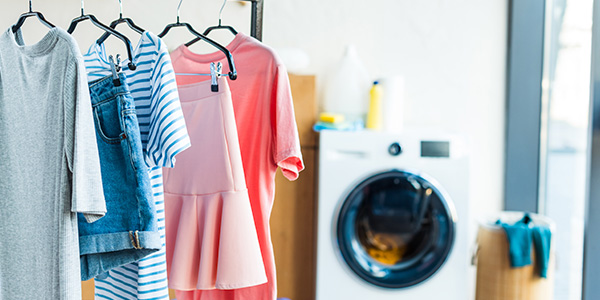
(164, 135)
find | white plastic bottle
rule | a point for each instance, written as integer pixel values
(393, 103)
(347, 90)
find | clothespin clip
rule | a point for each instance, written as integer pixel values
(215, 73)
(114, 68)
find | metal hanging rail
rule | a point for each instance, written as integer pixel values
(256, 21)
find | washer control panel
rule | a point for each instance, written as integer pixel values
(435, 149)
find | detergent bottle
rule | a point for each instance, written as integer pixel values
(374, 117)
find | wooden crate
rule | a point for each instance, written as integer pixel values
(293, 220)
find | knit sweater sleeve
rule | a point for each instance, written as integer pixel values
(81, 149)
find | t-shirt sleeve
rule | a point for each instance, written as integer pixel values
(87, 195)
(168, 134)
(286, 148)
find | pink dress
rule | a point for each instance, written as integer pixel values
(211, 237)
(264, 114)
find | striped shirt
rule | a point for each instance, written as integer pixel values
(164, 135)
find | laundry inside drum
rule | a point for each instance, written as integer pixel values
(395, 229)
(394, 223)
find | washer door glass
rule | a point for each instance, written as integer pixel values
(395, 229)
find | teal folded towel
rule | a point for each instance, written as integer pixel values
(542, 237)
(520, 237)
(519, 242)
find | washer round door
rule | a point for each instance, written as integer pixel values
(396, 229)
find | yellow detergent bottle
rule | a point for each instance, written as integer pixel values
(374, 120)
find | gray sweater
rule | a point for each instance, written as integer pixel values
(49, 166)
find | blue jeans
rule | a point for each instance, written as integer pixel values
(129, 230)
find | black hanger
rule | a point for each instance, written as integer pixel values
(109, 30)
(118, 21)
(28, 14)
(211, 28)
(232, 71)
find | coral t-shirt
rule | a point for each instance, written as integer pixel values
(268, 137)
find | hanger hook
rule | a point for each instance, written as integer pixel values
(82, 8)
(178, 10)
(221, 11)
(30, 10)
(120, 9)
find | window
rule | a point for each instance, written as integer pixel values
(565, 101)
(548, 125)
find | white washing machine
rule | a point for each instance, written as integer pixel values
(393, 217)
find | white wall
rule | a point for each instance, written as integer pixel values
(452, 54)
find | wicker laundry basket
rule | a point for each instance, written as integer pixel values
(496, 279)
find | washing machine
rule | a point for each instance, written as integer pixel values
(393, 217)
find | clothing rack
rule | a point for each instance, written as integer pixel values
(256, 21)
